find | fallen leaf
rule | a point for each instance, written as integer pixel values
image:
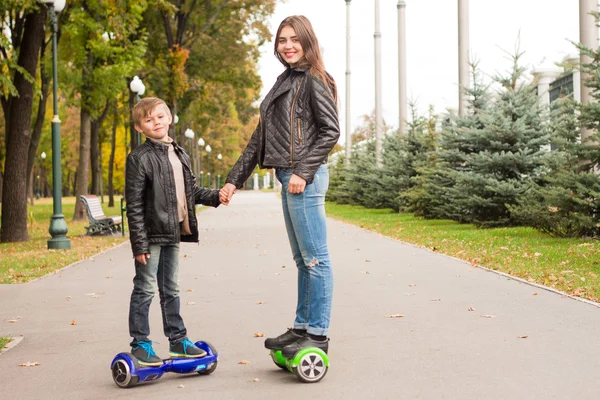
(12, 321)
(535, 293)
(258, 334)
(189, 290)
(523, 337)
(82, 341)
(488, 316)
(283, 266)
(244, 362)
(255, 380)
(395, 316)
(537, 254)
(435, 300)
(364, 272)
(412, 284)
(367, 260)
(108, 277)
(260, 302)
(190, 303)
(471, 309)
(180, 386)
(73, 322)
(29, 364)
(68, 298)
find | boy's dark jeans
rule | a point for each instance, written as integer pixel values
(164, 265)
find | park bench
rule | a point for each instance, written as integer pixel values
(99, 223)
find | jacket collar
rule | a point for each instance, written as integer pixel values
(284, 84)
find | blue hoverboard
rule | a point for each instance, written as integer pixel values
(127, 372)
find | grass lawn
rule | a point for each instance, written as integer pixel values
(4, 341)
(22, 262)
(570, 265)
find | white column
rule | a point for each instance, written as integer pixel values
(378, 96)
(255, 181)
(463, 55)
(588, 36)
(402, 67)
(545, 75)
(348, 119)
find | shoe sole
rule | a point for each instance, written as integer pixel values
(177, 355)
(147, 364)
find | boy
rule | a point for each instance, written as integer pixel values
(161, 195)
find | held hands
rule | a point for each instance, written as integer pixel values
(141, 258)
(226, 193)
(296, 184)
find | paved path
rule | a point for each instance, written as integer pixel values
(540, 346)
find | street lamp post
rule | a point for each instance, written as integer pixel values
(201, 144)
(43, 169)
(138, 88)
(219, 157)
(208, 150)
(58, 226)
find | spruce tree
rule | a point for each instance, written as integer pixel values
(499, 158)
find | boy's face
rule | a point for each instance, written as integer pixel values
(156, 124)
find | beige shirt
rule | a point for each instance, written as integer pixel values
(182, 210)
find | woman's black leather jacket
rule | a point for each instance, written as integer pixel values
(298, 127)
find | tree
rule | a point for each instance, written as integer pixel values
(25, 20)
(567, 201)
(102, 54)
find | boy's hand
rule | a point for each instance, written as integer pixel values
(141, 258)
(226, 193)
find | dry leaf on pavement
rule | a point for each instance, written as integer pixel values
(255, 380)
(535, 293)
(73, 322)
(471, 309)
(488, 316)
(523, 337)
(259, 334)
(244, 362)
(412, 284)
(395, 316)
(260, 302)
(29, 364)
(12, 321)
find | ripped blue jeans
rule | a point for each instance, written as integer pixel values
(304, 216)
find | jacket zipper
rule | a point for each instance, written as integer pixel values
(292, 123)
(300, 131)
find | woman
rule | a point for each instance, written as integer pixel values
(297, 129)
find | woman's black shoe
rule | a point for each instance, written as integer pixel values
(291, 349)
(282, 340)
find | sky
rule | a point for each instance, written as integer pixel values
(545, 29)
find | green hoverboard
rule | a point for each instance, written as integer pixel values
(310, 364)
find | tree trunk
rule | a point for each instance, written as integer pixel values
(18, 131)
(111, 159)
(95, 149)
(83, 167)
(39, 121)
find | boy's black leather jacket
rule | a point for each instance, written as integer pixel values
(151, 198)
(298, 127)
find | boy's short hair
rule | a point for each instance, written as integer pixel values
(144, 107)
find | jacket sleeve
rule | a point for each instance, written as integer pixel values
(135, 187)
(247, 161)
(325, 113)
(207, 197)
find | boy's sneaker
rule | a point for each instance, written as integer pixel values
(185, 349)
(145, 355)
(282, 340)
(291, 349)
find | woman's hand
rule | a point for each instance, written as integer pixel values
(226, 193)
(296, 184)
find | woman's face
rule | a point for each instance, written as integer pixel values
(289, 47)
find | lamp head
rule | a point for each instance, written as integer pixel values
(136, 85)
(208, 149)
(43, 155)
(201, 142)
(58, 5)
(189, 133)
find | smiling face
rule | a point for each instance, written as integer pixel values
(155, 125)
(289, 47)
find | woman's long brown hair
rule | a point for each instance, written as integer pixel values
(310, 46)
